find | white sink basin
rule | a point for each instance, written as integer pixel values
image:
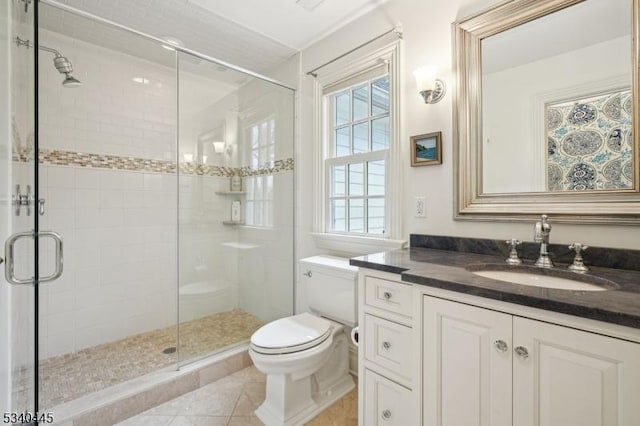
(538, 280)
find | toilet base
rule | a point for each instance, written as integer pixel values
(308, 409)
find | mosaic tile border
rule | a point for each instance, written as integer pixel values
(114, 162)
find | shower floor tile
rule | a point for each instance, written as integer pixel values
(67, 377)
(231, 401)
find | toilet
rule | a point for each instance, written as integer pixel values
(306, 356)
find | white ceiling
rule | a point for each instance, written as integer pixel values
(287, 22)
(257, 35)
(575, 27)
(198, 29)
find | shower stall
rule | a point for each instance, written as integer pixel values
(149, 189)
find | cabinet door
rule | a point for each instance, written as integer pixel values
(386, 403)
(573, 378)
(467, 365)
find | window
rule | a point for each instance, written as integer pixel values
(259, 188)
(357, 142)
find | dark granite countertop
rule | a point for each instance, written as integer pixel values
(446, 270)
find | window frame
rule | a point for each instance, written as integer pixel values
(331, 160)
(388, 54)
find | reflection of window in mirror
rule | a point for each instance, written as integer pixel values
(556, 102)
(261, 139)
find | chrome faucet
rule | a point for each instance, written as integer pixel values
(541, 232)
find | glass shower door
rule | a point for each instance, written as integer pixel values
(18, 297)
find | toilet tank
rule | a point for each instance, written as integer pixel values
(330, 284)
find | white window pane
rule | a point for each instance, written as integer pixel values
(264, 154)
(338, 181)
(272, 131)
(271, 156)
(356, 180)
(338, 216)
(268, 213)
(356, 215)
(268, 188)
(257, 189)
(380, 134)
(343, 141)
(380, 96)
(375, 178)
(248, 213)
(342, 109)
(255, 136)
(249, 187)
(375, 213)
(361, 138)
(361, 103)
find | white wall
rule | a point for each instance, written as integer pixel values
(427, 39)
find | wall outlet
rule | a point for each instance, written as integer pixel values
(420, 207)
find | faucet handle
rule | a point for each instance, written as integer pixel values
(578, 262)
(513, 258)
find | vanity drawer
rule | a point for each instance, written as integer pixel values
(388, 295)
(385, 402)
(388, 344)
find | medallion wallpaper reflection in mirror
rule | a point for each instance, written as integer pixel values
(589, 143)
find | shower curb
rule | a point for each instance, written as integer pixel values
(108, 407)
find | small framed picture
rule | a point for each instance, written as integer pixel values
(426, 150)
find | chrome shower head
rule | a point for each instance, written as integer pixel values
(63, 65)
(71, 81)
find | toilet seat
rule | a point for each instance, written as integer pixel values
(291, 334)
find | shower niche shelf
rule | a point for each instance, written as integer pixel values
(232, 223)
(230, 192)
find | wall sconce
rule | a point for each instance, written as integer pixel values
(431, 88)
(188, 158)
(218, 147)
(222, 148)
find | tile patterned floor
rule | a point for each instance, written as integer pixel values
(231, 401)
(66, 377)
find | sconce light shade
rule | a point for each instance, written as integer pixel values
(188, 158)
(218, 147)
(431, 88)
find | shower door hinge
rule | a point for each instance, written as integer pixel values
(27, 3)
(22, 200)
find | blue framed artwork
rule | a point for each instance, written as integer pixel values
(426, 150)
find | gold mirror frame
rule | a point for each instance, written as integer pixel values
(620, 207)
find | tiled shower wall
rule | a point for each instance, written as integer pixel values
(111, 190)
(119, 226)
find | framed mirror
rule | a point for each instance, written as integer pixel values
(544, 115)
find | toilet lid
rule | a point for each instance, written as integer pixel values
(291, 334)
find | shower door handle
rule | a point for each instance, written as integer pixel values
(57, 239)
(9, 264)
(9, 250)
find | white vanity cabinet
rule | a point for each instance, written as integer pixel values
(487, 368)
(388, 355)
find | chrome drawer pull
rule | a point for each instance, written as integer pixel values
(521, 352)
(501, 345)
(386, 414)
(386, 345)
(387, 295)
